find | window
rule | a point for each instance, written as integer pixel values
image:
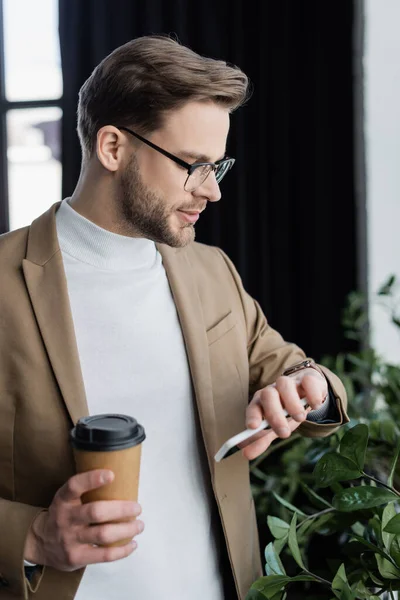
(30, 104)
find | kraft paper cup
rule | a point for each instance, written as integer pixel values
(114, 442)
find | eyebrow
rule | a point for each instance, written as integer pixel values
(198, 157)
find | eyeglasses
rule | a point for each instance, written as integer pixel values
(197, 172)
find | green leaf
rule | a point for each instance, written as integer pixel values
(308, 526)
(288, 505)
(384, 430)
(375, 526)
(315, 496)
(387, 287)
(358, 362)
(358, 528)
(390, 431)
(360, 497)
(393, 464)
(334, 467)
(274, 565)
(370, 546)
(395, 550)
(386, 568)
(280, 544)
(340, 585)
(349, 385)
(361, 591)
(272, 584)
(388, 513)
(269, 586)
(393, 526)
(293, 543)
(303, 528)
(255, 595)
(278, 527)
(354, 444)
(375, 579)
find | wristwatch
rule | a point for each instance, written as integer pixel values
(308, 363)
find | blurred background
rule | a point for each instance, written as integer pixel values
(311, 210)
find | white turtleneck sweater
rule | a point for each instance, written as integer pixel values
(133, 361)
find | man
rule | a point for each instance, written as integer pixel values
(107, 305)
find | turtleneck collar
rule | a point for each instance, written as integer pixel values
(87, 242)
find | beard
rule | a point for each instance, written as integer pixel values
(145, 213)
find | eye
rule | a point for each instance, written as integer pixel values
(203, 170)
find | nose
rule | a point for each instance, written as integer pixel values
(209, 189)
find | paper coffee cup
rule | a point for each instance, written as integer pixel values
(114, 442)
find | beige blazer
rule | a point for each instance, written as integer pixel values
(232, 352)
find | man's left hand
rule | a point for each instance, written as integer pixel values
(285, 394)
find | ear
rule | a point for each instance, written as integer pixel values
(111, 147)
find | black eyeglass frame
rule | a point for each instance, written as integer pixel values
(190, 167)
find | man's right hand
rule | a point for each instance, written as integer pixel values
(65, 536)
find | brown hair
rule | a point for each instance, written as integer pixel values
(139, 82)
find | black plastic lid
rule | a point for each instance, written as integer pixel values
(103, 433)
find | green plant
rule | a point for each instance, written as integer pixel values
(372, 533)
(283, 479)
(372, 384)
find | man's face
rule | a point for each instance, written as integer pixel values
(151, 197)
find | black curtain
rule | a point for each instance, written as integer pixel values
(287, 216)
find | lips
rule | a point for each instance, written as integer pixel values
(189, 216)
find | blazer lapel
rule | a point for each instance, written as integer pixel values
(47, 287)
(45, 279)
(184, 290)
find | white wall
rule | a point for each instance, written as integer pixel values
(382, 138)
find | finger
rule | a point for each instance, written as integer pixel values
(314, 389)
(273, 412)
(83, 555)
(257, 447)
(290, 398)
(261, 445)
(103, 535)
(253, 438)
(103, 511)
(254, 413)
(77, 485)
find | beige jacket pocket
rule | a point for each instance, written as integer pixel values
(221, 328)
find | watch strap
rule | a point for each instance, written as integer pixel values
(308, 363)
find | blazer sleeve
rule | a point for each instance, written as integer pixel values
(269, 355)
(15, 522)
